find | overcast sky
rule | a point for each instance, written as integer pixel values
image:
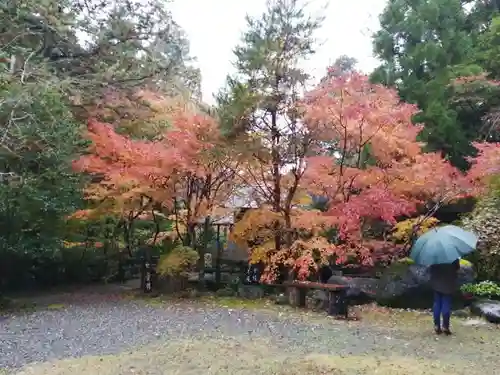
(214, 27)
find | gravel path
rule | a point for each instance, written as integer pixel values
(116, 326)
(112, 327)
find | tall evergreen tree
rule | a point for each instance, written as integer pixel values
(480, 99)
(424, 45)
(55, 58)
(343, 65)
(259, 103)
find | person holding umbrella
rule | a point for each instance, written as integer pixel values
(444, 282)
(441, 249)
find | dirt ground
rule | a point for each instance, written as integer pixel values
(233, 357)
(380, 341)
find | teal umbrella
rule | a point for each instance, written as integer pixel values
(443, 245)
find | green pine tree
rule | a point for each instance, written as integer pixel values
(260, 101)
(424, 45)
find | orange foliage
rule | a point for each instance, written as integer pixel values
(380, 171)
(485, 165)
(113, 198)
(377, 173)
(186, 163)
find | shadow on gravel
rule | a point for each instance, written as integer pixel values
(232, 356)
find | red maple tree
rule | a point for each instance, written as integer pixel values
(485, 165)
(363, 157)
(186, 169)
(369, 166)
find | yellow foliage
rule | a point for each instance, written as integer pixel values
(261, 253)
(403, 230)
(178, 229)
(409, 261)
(113, 197)
(257, 229)
(69, 245)
(179, 261)
(179, 222)
(302, 198)
(257, 225)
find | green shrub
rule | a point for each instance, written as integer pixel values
(465, 263)
(487, 289)
(396, 269)
(4, 303)
(485, 222)
(407, 261)
(178, 262)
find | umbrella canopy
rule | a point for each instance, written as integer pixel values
(443, 245)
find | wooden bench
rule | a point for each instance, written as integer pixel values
(337, 299)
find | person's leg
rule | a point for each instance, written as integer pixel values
(436, 310)
(446, 311)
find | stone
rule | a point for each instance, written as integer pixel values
(402, 285)
(250, 291)
(407, 286)
(281, 299)
(462, 313)
(473, 322)
(171, 284)
(207, 258)
(225, 292)
(489, 309)
(296, 296)
(359, 289)
(317, 300)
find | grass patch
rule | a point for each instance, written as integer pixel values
(206, 299)
(19, 306)
(238, 303)
(243, 357)
(394, 365)
(375, 314)
(56, 306)
(420, 324)
(155, 301)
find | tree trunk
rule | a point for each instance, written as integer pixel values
(288, 228)
(276, 176)
(190, 238)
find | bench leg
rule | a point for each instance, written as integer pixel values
(338, 304)
(297, 297)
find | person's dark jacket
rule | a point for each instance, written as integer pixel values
(444, 277)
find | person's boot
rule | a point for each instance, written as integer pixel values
(446, 325)
(438, 330)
